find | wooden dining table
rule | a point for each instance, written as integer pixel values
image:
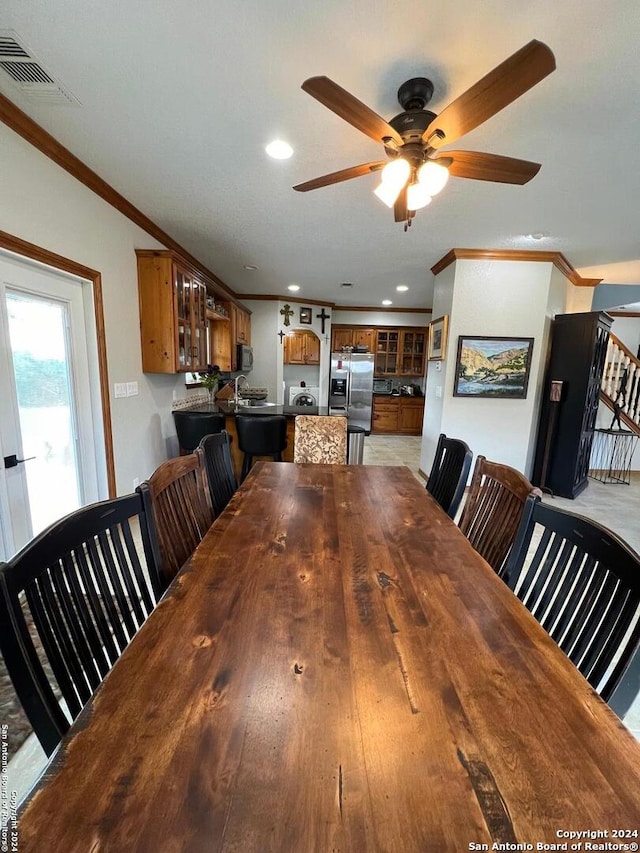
(336, 669)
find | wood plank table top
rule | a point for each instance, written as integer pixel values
(337, 670)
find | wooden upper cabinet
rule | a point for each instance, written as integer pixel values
(241, 325)
(413, 347)
(341, 336)
(352, 336)
(301, 347)
(387, 345)
(365, 338)
(178, 333)
(173, 323)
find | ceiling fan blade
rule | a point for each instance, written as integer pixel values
(344, 104)
(343, 175)
(400, 207)
(488, 96)
(489, 167)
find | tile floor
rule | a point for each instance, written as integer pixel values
(615, 506)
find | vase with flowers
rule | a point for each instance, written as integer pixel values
(209, 379)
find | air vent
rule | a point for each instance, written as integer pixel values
(28, 74)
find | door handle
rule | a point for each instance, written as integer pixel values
(12, 461)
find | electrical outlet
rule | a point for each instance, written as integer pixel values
(136, 482)
(120, 389)
(132, 389)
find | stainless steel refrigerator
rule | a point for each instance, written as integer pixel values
(351, 387)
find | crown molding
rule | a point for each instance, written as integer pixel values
(555, 258)
(35, 135)
(272, 297)
(623, 313)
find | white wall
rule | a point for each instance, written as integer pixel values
(627, 329)
(44, 205)
(380, 318)
(492, 298)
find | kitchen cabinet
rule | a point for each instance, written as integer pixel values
(173, 323)
(411, 415)
(301, 347)
(241, 325)
(385, 415)
(219, 340)
(397, 415)
(351, 336)
(413, 344)
(387, 344)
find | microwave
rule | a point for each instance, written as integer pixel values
(244, 358)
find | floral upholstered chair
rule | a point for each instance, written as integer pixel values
(320, 438)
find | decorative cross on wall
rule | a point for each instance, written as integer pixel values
(287, 312)
(282, 335)
(323, 316)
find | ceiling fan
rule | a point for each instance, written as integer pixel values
(415, 170)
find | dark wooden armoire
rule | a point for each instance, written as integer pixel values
(577, 356)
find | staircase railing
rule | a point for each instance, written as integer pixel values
(620, 387)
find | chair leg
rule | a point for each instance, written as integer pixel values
(246, 465)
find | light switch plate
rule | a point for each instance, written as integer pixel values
(132, 389)
(120, 389)
(438, 390)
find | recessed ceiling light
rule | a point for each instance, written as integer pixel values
(250, 267)
(279, 150)
(387, 302)
(293, 287)
(537, 235)
(401, 288)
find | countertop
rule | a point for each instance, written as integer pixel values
(230, 409)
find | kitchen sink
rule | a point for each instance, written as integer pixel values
(256, 404)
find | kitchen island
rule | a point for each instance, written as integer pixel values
(230, 411)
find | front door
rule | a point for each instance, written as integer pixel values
(47, 456)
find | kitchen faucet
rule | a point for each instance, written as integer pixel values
(237, 388)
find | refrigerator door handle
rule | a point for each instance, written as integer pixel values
(348, 396)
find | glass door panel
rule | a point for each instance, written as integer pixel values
(38, 332)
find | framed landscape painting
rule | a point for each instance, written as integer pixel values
(493, 367)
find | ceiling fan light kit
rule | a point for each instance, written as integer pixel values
(417, 196)
(416, 171)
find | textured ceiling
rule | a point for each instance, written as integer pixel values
(178, 101)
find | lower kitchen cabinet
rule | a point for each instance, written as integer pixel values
(397, 415)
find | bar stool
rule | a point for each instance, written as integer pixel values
(262, 435)
(191, 427)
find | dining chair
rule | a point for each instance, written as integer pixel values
(449, 473)
(320, 439)
(582, 584)
(260, 435)
(493, 509)
(191, 427)
(176, 497)
(216, 449)
(70, 602)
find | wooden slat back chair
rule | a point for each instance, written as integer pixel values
(70, 602)
(176, 496)
(493, 509)
(582, 584)
(449, 473)
(320, 439)
(216, 449)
